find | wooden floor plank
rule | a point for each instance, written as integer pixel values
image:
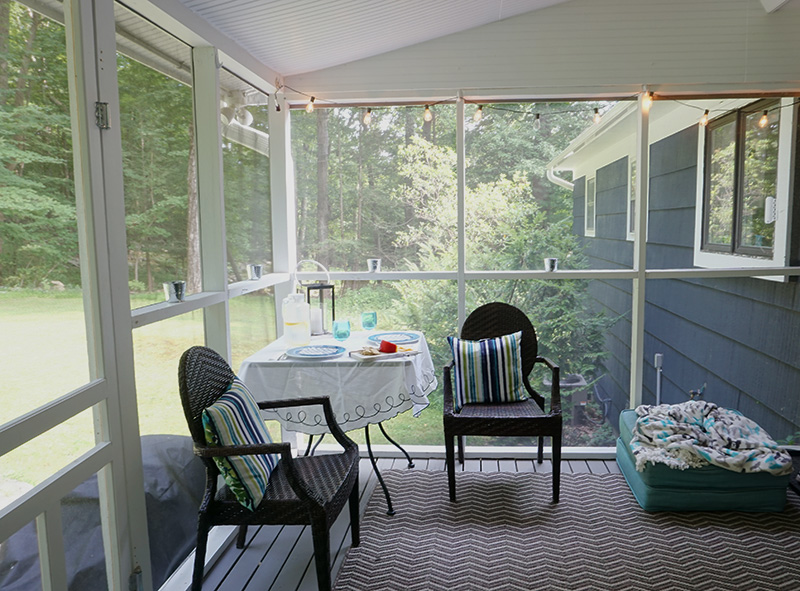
(470, 466)
(546, 466)
(507, 466)
(612, 466)
(236, 562)
(579, 467)
(490, 466)
(294, 566)
(436, 464)
(289, 543)
(597, 466)
(525, 466)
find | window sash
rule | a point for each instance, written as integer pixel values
(733, 242)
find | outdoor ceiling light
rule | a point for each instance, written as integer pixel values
(596, 117)
(478, 114)
(368, 117)
(704, 118)
(764, 119)
(310, 105)
(227, 114)
(244, 117)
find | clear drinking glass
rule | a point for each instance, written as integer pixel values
(341, 329)
(369, 320)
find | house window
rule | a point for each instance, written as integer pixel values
(745, 168)
(631, 197)
(741, 172)
(590, 206)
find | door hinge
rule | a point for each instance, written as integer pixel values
(101, 115)
(135, 580)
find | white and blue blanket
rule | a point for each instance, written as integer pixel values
(697, 433)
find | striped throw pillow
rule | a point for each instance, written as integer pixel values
(489, 370)
(234, 419)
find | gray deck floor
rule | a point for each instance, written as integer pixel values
(281, 557)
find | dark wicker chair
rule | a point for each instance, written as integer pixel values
(527, 418)
(301, 491)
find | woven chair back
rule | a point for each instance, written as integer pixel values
(497, 319)
(203, 376)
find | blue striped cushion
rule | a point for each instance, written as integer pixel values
(489, 370)
(234, 419)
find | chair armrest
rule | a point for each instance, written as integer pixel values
(448, 389)
(241, 450)
(327, 410)
(555, 387)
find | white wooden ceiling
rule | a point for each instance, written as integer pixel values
(296, 36)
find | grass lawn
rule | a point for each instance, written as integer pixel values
(44, 356)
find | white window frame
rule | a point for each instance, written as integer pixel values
(590, 231)
(629, 232)
(785, 189)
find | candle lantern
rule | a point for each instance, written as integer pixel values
(321, 298)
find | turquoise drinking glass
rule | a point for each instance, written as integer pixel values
(341, 329)
(369, 320)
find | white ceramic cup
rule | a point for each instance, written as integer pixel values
(551, 264)
(254, 272)
(174, 291)
(374, 265)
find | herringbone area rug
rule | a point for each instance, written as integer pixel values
(504, 534)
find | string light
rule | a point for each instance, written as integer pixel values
(428, 115)
(368, 117)
(596, 117)
(537, 123)
(478, 114)
(704, 119)
(647, 101)
(764, 119)
(310, 105)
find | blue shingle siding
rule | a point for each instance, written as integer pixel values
(740, 336)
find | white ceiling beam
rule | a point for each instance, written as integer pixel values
(773, 5)
(194, 30)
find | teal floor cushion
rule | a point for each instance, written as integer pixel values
(710, 488)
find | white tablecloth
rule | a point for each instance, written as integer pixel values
(361, 392)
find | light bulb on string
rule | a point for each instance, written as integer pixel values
(647, 101)
(310, 105)
(764, 119)
(368, 117)
(704, 119)
(537, 122)
(428, 115)
(596, 117)
(478, 114)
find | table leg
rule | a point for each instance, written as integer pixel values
(310, 450)
(397, 445)
(378, 473)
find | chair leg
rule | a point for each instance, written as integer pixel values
(200, 555)
(451, 465)
(322, 550)
(540, 457)
(556, 442)
(355, 526)
(461, 449)
(241, 538)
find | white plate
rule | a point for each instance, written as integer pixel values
(361, 357)
(315, 352)
(398, 338)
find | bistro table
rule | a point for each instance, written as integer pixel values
(362, 392)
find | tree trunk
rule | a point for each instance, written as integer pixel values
(359, 185)
(323, 199)
(23, 89)
(410, 127)
(194, 283)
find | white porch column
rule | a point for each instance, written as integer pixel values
(91, 47)
(640, 251)
(211, 205)
(283, 199)
(461, 176)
